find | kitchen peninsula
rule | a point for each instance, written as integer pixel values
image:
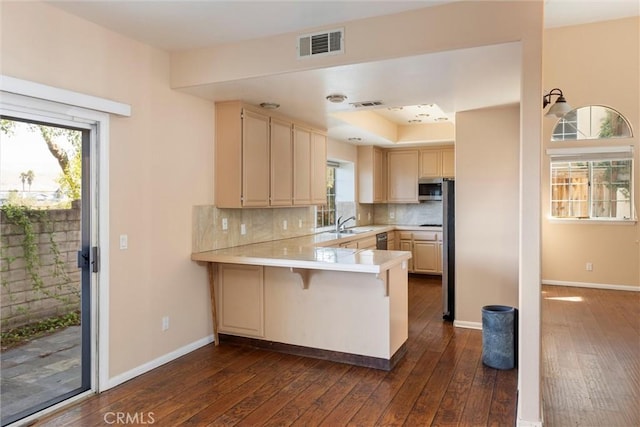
(299, 296)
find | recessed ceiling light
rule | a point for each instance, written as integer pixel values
(354, 139)
(425, 106)
(422, 115)
(442, 119)
(269, 105)
(395, 108)
(336, 97)
(415, 121)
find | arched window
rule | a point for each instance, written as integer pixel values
(591, 122)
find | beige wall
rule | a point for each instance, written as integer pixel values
(594, 64)
(160, 166)
(487, 150)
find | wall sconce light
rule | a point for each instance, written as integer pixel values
(560, 107)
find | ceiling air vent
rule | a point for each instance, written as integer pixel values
(367, 104)
(324, 43)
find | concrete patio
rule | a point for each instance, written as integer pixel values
(40, 370)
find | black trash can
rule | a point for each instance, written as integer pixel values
(498, 336)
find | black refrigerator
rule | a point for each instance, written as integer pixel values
(448, 249)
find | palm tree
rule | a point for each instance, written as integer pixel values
(30, 178)
(27, 177)
(23, 178)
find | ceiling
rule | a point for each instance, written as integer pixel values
(455, 81)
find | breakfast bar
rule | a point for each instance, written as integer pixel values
(347, 305)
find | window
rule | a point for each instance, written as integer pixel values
(591, 189)
(591, 122)
(326, 214)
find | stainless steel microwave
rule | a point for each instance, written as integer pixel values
(429, 189)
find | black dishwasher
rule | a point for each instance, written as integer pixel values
(381, 241)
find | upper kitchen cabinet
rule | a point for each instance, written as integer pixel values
(301, 165)
(372, 174)
(318, 168)
(241, 156)
(402, 176)
(262, 159)
(281, 163)
(309, 166)
(448, 163)
(437, 162)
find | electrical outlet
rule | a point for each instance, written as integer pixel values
(225, 224)
(243, 229)
(589, 266)
(284, 224)
(165, 323)
(299, 223)
(358, 216)
(369, 216)
(124, 241)
(392, 215)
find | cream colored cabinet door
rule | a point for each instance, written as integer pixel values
(301, 166)
(318, 169)
(425, 256)
(281, 163)
(240, 299)
(430, 163)
(448, 163)
(405, 245)
(379, 175)
(372, 174)
(255, 159)
(403, 176)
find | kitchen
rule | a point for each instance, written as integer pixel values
(276, 164)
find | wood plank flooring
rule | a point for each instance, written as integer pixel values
(441, 381)
(591, 357)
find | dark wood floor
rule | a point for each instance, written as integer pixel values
(591, 357)
(441, 381)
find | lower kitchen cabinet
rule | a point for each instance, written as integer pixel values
(425, 248)
(407, 245)
(240, 299)
(425, 257)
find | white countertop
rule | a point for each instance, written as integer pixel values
(310, 252)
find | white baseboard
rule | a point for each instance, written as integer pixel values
(126, 376)
(524, 423)
(467, 325)
(592, 285)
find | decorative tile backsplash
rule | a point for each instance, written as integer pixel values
(409, 214)
(264, 225)
(260, 225)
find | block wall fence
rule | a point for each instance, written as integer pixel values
(52, 287)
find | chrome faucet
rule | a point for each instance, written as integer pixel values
(340, 223)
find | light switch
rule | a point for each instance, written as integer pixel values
(225, 224)
(124, 241)
(243, 229)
